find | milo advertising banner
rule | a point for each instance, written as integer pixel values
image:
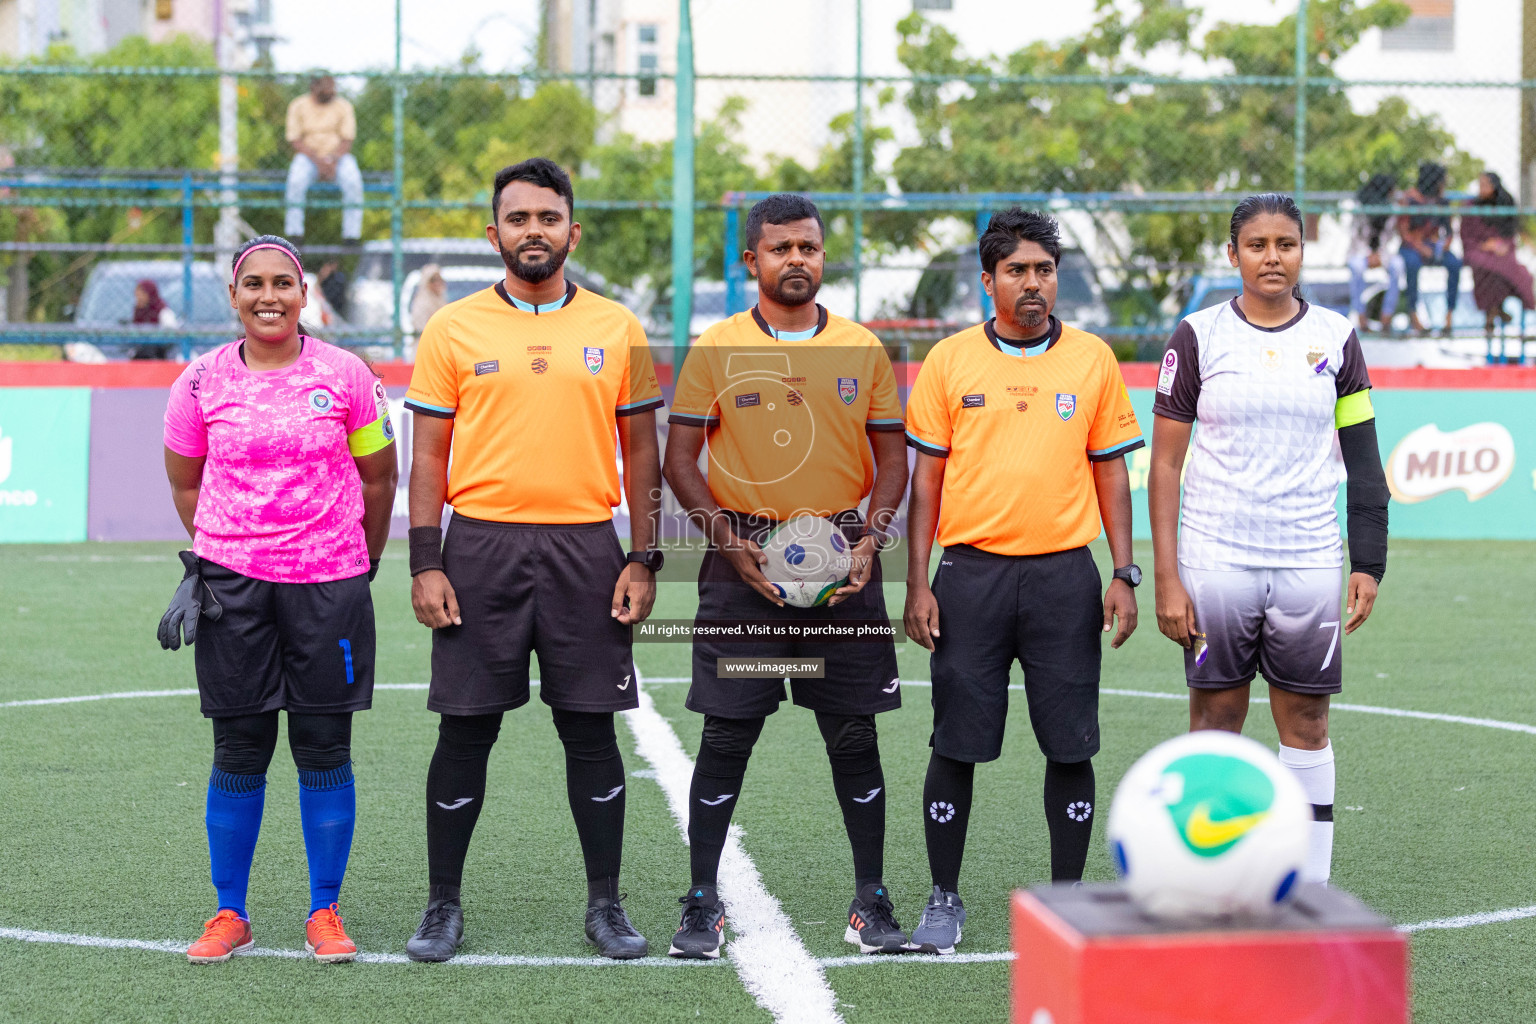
(44, 459)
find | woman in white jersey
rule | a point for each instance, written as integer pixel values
(1247, 571)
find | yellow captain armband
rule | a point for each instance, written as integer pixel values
(1352, 409)
(376, 436)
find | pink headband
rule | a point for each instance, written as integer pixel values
(268, 245)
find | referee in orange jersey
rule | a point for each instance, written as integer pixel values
(529, 382)
(1021, 425)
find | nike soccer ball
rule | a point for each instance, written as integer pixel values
(808, 559)
(1209, 826)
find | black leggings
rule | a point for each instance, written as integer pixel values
(244, 745)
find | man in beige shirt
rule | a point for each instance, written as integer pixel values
(321, 127)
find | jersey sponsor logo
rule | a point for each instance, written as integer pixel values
(1021, 405)
(972, 401)
(320, 400)
(795, 397)
(539, 365)
(1027, 390)
(1269, 358)
(1475, 460)
(489, 366)
(1066, 405)
(594, 358)
(541, 348)
(847, 389)
(381, 406)
(754, 398)
(1166, 375)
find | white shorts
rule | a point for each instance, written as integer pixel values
(1285, 623)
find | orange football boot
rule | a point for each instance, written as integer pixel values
(227, 934)
(325, 938)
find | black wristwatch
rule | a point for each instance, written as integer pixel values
(882, 540)
(652, 559)
(1131, 574)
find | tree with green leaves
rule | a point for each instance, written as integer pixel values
(1012, 136)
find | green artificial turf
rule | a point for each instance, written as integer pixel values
(101, 809)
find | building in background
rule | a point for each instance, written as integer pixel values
(1442, 41)
(29, 27)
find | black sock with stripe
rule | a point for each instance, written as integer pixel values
(594, 784)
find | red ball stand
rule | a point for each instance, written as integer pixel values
(1086, 955)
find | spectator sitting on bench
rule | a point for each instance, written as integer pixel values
(321, 128)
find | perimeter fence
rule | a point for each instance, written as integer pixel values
(149, 162)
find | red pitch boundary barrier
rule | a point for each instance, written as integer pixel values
(153, 374)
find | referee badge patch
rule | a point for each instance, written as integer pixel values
(1066, 405)
(594, 358)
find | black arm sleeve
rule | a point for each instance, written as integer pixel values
(1365, 500)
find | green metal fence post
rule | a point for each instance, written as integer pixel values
(682, 192)
(397, 194)
(858, 161)
(187, 242)
(1300, 186)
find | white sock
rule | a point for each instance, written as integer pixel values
(1314, 769)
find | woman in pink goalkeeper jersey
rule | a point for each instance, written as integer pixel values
(282, 465)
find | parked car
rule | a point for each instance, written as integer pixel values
(106, 304)
(708, 308)
(950, 290)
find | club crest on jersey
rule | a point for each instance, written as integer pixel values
(847, 389)
(594, 358)
(1317, 359)
(1066, 405)
(320, 400)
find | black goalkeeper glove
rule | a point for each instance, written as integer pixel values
(193, 599)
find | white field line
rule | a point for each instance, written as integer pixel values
(1470, 920)
(178, 948)
(769, 957)
(463, 960)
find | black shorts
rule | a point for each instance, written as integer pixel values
(860, 676)
(304, 647)
(1047, 612)
(528, 588)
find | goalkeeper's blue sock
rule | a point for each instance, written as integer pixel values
(328, 812)
(234, 821)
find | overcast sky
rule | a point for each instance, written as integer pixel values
(354, 35)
